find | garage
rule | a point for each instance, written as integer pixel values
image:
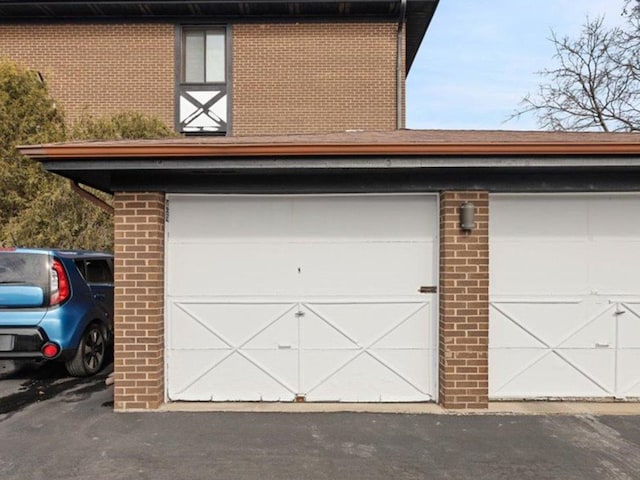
(301, 298)
(564, 296)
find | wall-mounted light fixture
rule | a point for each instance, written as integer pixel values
(467, 216)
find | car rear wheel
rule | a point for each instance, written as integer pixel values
(89, 358)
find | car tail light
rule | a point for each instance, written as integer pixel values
(50, 350)
(60, 290)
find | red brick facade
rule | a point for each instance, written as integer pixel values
(139, 304)
(286, 78)
(464, 303)
(99, 69)
(313, 77)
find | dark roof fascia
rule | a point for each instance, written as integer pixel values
(501, 180)
(176, 2)
(418, 19)
(189, 20)
(468, 159)
(345, 174)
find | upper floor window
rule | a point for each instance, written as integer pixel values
(202, 90)
(204, 56)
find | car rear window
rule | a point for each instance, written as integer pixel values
(24, 269)
(95, 270)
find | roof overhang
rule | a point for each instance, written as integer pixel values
(393, 160)
(453, 152)
(418, 13)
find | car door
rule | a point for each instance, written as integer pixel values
(99, 277)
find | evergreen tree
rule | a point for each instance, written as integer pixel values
(37, 208)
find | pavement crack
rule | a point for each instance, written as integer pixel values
(358, 450)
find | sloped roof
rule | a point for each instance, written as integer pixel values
(399, 142)
(405, 160)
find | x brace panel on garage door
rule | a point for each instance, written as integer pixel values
(598, 358)
(315, 350)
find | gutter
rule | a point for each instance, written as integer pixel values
(159, 150)
(98, 202)
(237, 164)
(399, 69)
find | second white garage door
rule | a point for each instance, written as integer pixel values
(312, 297)
(565, 296)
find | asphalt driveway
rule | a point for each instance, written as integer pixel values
(54, 427)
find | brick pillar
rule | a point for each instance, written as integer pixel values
(464, 303)
(139, 300)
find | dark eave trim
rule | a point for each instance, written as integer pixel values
(289, 181)
(230, 166)
(177, 2)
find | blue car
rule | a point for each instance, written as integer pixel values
(56, 305)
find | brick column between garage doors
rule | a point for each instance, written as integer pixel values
(139, 300)
(464, 303)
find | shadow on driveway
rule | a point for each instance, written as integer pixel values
(30, 382)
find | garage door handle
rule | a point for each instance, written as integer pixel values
(432, 289)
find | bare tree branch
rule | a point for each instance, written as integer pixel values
(595, 84)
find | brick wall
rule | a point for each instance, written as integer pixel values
(313, 77)
(287, 78)
(99, 68)
(464, 303)
(139, 300)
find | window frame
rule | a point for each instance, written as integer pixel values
(180, 83)
(183, 53)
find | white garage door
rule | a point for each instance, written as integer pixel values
(565, 296)
(279, 297)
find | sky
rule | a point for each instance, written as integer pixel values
(479, 57)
